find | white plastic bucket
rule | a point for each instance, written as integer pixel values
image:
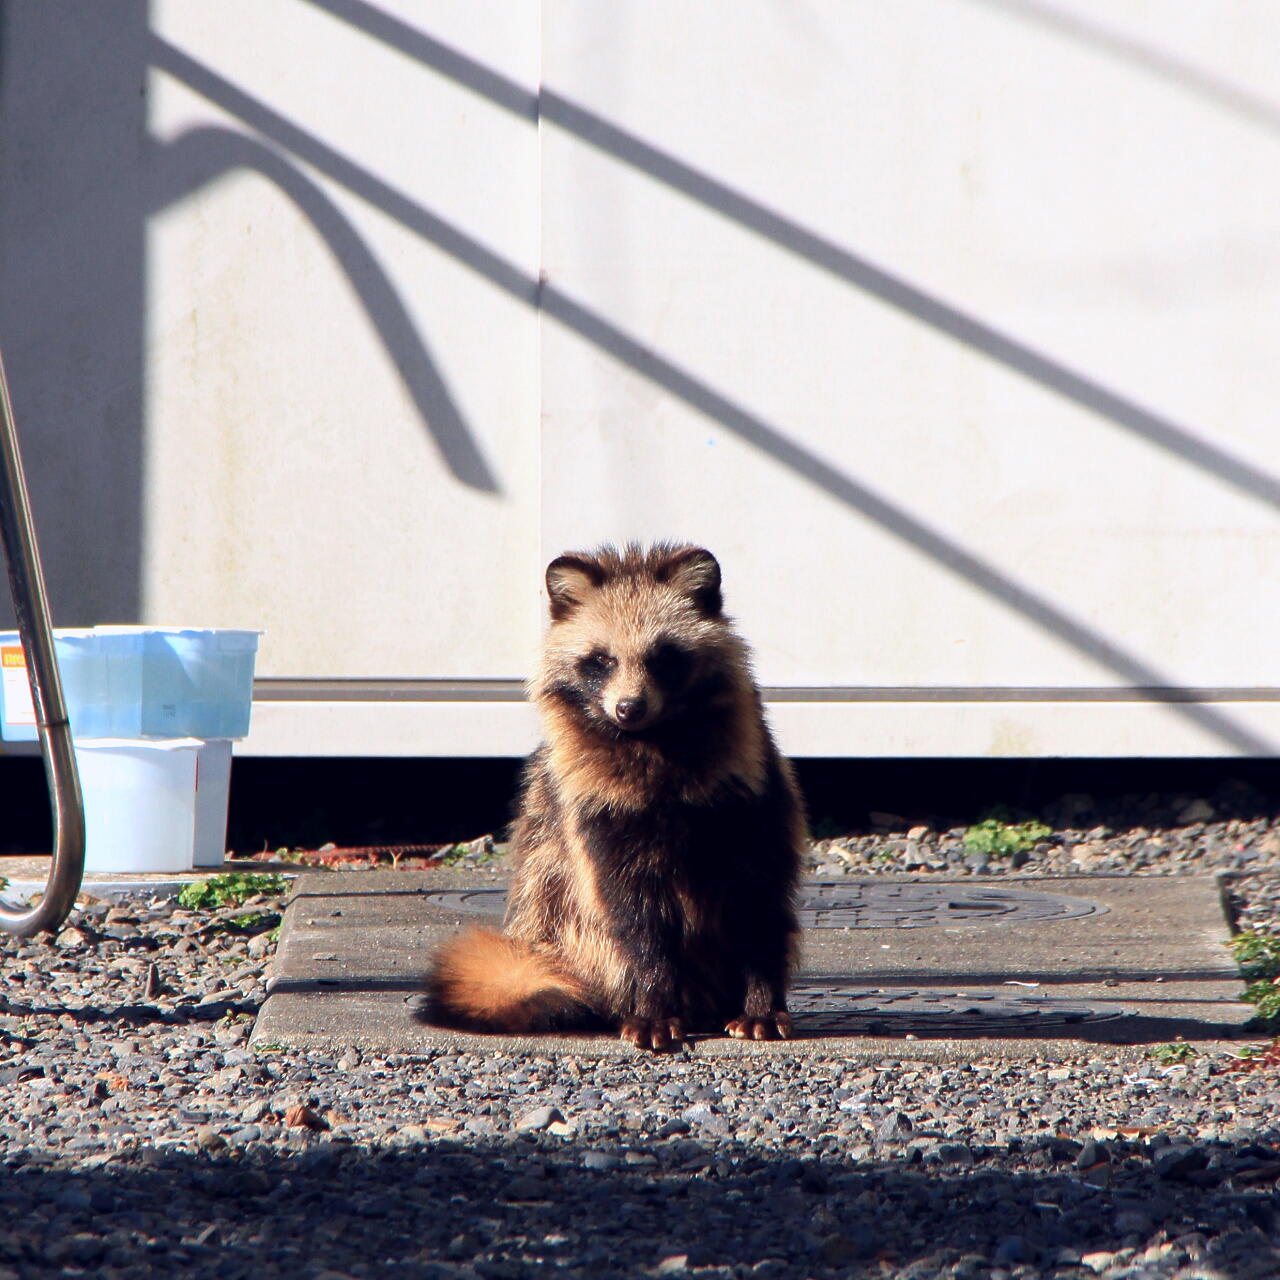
(213, 785)
(139, 803)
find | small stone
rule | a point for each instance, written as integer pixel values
(209, 1139)
(836, 1249)
(1093, 1152)
(1196, 811)
(524, 1187)
(601, 1161)
(538, 1119)
(1132, 1222)
(1098, 1262)
(83, 1248)
(894, 1127)
(300, 1116)
(1010, 1251)
(1177, 1161)
(887, 821)
(673, 1264)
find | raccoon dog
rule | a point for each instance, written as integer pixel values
(658, 839)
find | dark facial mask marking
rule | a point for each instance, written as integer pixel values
(670, 665)
(594, 670)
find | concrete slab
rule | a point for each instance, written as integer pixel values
(28, 875)
(1010, 967)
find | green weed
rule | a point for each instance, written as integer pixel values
(472, 853)
(1169, 1054)
(1258, 955)
(997, 837)
(1264, 995)
(230, 890)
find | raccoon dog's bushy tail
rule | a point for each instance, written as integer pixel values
(483, 980)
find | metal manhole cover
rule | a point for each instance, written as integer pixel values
(843, 1009)
(834, 904)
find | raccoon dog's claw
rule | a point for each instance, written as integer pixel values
(773, 1026)
(659, 1034)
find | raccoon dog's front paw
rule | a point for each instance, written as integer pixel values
(659, 1034)
(773, 1026)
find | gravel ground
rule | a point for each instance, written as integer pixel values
(139, 1136)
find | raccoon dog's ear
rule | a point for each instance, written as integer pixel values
(696, 573)
(570, 579)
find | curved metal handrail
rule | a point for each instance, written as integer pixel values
(26, 585)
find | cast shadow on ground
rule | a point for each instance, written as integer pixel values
(1124, 1021)
(529, 1206)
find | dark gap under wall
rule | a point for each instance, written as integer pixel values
(304, 803)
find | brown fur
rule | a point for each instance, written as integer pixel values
(657, 843)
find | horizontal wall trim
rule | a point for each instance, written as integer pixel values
(278, 689)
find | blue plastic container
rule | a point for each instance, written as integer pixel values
(140, 682)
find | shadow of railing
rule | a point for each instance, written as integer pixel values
(700, 396)
(786, 234)
(1166, 67)
(202, 155)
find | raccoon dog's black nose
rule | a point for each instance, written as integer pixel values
(631, 710)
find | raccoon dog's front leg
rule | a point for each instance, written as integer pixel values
(767, 945)
(637, 927)
(649, 1001)
(764, 1016)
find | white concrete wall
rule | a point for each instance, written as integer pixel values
(342, 412)
(948, 326)
(954, 328)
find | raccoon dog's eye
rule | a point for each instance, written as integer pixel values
(670, 665)
(597, 664)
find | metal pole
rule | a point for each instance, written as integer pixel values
(26, 585)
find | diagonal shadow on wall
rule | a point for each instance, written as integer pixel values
(1174, 71)
(204, 154)
(788, 235)
(678, 382)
